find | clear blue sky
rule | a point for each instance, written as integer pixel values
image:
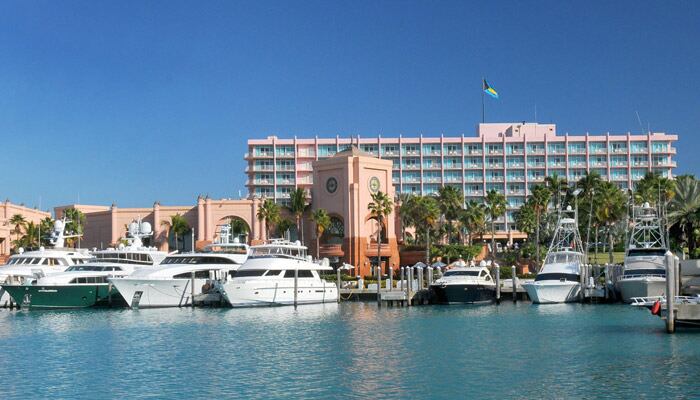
(138, 101)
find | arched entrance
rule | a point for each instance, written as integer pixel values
(375, 258)
(239, 228)
(332, 242)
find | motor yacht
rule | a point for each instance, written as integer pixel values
(464, 285)
(28, 266)
(644, 273)
(273, 273)
(558, 280)
(86, 285)
(181, 277)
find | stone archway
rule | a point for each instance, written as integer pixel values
(335, 233)
(239, 228)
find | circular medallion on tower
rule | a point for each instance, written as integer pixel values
(331, 185)
(374, 184)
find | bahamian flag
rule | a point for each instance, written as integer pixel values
(490, 90)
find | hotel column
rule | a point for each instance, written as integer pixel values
(114, 234)
(200, 218)
(157, 229)
(209, 224)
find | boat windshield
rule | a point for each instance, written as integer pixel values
(557, 277)
(461, 273)
(563, 258)
(197, 260)
(645, 271)
(218, 248)
(277, 251)
(93, 268)
(645, 252)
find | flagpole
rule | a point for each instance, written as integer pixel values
(483, 119)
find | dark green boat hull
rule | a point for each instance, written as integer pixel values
(65, 296)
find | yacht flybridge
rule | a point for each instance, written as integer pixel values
(558, 281)
(464, 285)
(180, 277)
(28, 266)
(278, 273)
(644, 272)
(86, 284)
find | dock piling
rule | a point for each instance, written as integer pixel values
(402, 278)
(338, 283)
(296, 286)
(409, 285)
(192, 289)
(497, 273)
(515, 283)
(670, 292)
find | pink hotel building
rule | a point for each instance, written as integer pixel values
(507, 157)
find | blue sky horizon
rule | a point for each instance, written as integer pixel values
(136, 102)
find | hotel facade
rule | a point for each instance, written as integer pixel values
(509, 158)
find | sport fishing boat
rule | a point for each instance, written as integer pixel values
(558, 281)
(464, 285)
(28, 266)
(644, 273)
(86, 285)
(274, 273)
(181, 277)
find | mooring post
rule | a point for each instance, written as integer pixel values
(582, 282)
(430, 276)
(515, 283)
(677, 272)
(420, 278)
(605, 284)
(409, 285)
(192, 289)
(390, 280)
(379, 283)
(670, 292)
(402, 277)
(338, 283)
(497, 273)
(296, 286)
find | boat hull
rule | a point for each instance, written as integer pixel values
(642, 286)
(65, 296)
(266, 295)
(462, 294)
(552, 292)
(145, 293)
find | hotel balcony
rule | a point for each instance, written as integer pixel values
(286, 168)
(640, 151)
(285, 155)
(285, 181)
(475, 193)
(453, 180)
(409, 153)
(577, 165)
(474, 152)
(410, 180)
(453, 166)
(432, 166)
(599, 164)
(520, 192)
(640, 164)
(536, 179)
(619, 151)
(259, 182)
(306, 154)
(260, 155)
(557, 165)
(473, 166)
(517, 152)
(453, 153)
(497, 152)
(535, 152)
(516, 179)
(599, 151)
(411, 166)
(618, 165)
(619, 177)
(494, 179)
(536, 165)
(259, 168)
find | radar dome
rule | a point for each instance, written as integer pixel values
(121, 246)
(58, 225)
(568, 208)
(236, 240)
(145, 227)
(133, 228)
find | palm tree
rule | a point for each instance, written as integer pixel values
(427, 215)
(451, 201)
(298, 205)
(269, 212)
(75, 224)
(496, 205)
(405, 208)
(239, 227)
(178, 227)
(473, 219)
(684, 210)
(380, 207)
(556, 185)
(653, 189)
(539, 201)
(611, 207)
(283, 227)
(525, 219)
(19, 222)
(45, 227)
(588, 183)
(322, 220)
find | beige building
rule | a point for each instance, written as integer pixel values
(7, 230)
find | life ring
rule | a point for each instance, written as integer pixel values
(656, 308)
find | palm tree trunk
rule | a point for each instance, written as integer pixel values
(610, 245)
(596, 244)
(537, 239)
(301, 231)
(177, 246)
(427, 246)
(318, 245)
(379, 258)
(493, 239)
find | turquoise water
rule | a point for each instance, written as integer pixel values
(349, 350)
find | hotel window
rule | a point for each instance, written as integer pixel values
(453, 176)
(535, 162)
(498, 188)
(515, 188)
(558, 172)
(660, 147)
(640, 161)
(556, 148)
(327, 150)
(514, 148)
(577, 147)
(638, 147)
(263, 151)
(395, 177)
(494, 162)
(516, 162)
(515, 202)
(495, 148)
(576, 174)
(430, 189)
(577, 161)
(598, 161)
(473, 162)
(535, 175)
(618, 147)
(263, 165)
(369, 148)
(410, 163)
(285, 151)
(494, 176)
(535, 148)
(618, 161)
(472, 148)
(556, 162)
(285, 179)
(453, 162)
(638, 173)
(431, 149)
(517, 176)
(453, 149)
(263, 179)
(473, 190)
(596, 147)
(410, 149)
(432, 176)
(390, 150)
(659, 160)
(431, 163)
(473, 176)
(285, 165)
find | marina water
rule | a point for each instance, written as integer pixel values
(349, 350)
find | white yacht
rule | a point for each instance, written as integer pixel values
(86, 285)
(27, 266)
(464, 285)
(180, 277)
(644, 271)
(558, 281)
(268, 278)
